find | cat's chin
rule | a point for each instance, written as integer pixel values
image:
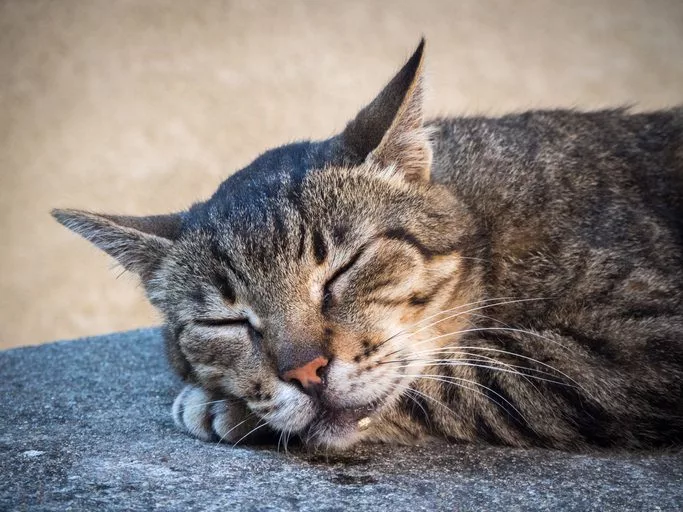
(338, 429)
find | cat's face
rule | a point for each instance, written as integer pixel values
(306, 284)
(343, 269)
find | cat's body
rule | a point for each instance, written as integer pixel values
(514, 280)
(583, 210)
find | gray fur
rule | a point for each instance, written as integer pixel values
(514, 280)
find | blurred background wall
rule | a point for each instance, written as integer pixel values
(145, 106)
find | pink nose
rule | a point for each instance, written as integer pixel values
(308, 375)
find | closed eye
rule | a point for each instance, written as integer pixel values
(327, 289)
(223, 322)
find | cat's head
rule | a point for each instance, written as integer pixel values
(307, 284)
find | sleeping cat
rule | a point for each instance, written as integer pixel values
(514, 280)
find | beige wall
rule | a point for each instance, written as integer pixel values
(145, 106)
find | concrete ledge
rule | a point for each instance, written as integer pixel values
(85, 425)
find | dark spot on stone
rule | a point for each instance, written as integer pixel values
(337, 459)
(347, 479)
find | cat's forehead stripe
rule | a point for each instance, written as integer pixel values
(319, 247)
(226, 289)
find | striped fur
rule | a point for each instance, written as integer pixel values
(512, 281)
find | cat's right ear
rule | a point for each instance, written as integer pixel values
(137, 243)
(390, 130)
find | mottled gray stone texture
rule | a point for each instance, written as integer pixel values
(85, 425)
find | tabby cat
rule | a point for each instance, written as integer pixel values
(512, 280)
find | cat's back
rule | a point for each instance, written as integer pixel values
(582, 206)
(565, 163)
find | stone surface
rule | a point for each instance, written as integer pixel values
(85, 425)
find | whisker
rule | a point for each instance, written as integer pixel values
(407, 328)
(279, 440)
(449, 380)
(466, 362)
(446, 350)
(482, 329)
(489, 349)
(424, 395)
(454, 316)
(250, 432)
(257, 406)
(476, 309)
(479, 315)
(475, 303)
(288, 433)
(204, 404)
(481, 358)
(442, 380)
(234, 427)
(451, 351)
(409, 394)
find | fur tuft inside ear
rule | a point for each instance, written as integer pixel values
(390, 131)
(137, 243)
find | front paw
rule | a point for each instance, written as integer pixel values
(201, 415)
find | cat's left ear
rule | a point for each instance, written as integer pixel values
(137, 243)
(390, 130)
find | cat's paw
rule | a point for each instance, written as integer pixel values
(199, 414)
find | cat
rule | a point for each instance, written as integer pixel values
(513, 280)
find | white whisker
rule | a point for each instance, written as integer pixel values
(449, 380)
(204, 404)
(250, 432)
(446, 311)
(456, 352)
(482, 329)
(454, 316)
(424, 395)
(500, 351)
(409, 394)
(234, 427)
(475, 309)
(466, 362)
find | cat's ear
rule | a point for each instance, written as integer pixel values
(390, 130)
(137, 243)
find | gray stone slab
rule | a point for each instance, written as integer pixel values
(85, 425)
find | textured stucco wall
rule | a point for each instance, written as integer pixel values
(145, 106)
